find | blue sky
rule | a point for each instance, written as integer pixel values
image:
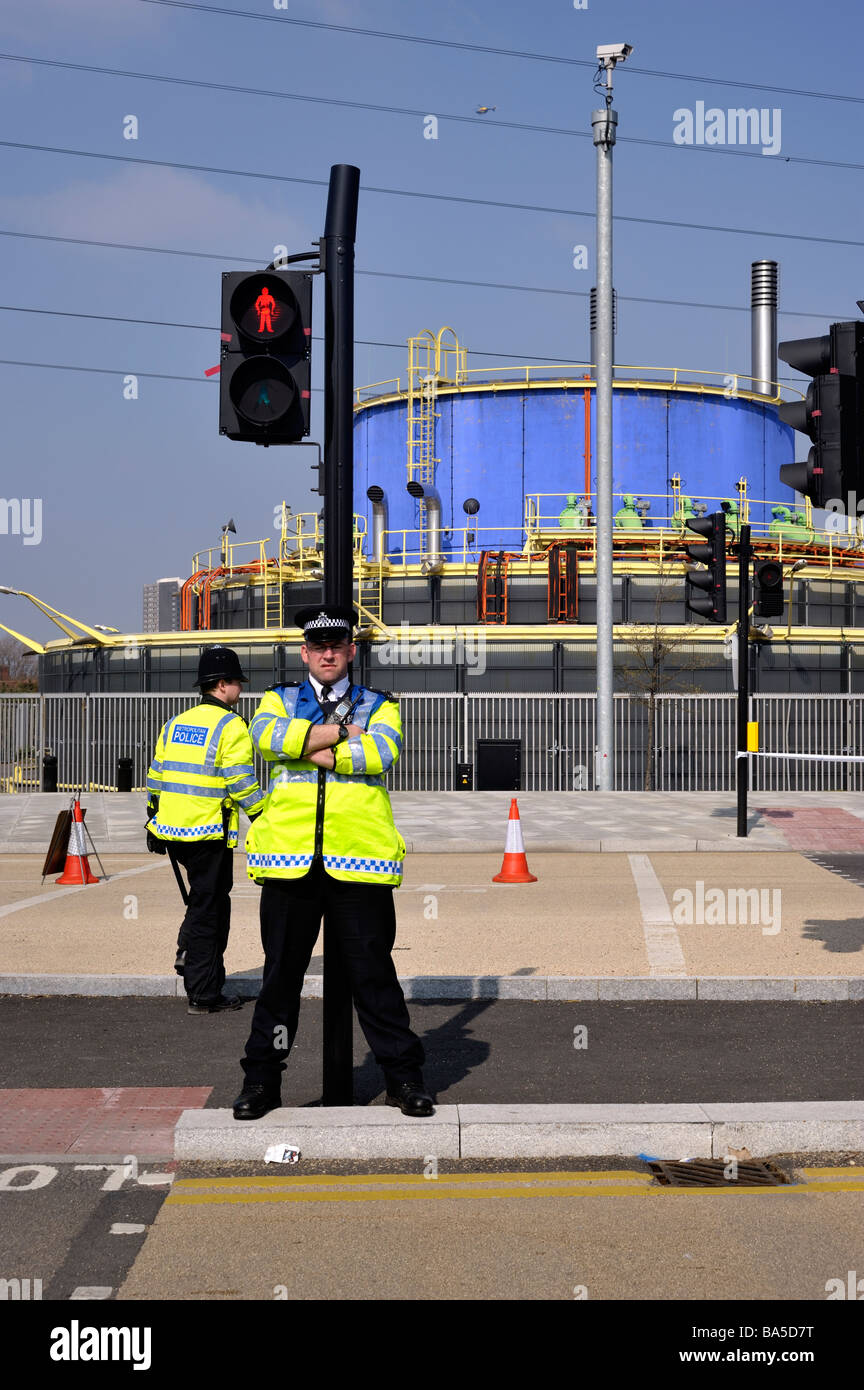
(131, 488)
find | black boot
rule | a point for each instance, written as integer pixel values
(255, 1100)
(411, 1097)
(215, 1006)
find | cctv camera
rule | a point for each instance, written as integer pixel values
(613, 52)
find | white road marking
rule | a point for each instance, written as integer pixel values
(126, 1228)
(662, 946)
(92, 1291)
(76, 888)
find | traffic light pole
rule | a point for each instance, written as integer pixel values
(742, 764)
(337, 246)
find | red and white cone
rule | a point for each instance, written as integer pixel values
(515, 866)
(77, 868)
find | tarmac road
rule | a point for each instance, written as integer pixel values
(503, 1051)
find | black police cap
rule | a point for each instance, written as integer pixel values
(326, 620)
(219, 663)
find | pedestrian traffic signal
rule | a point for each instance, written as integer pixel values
(768, 589)
(706, 588)
(831, 414)
(265, 364)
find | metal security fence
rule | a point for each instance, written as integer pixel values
(676, 743)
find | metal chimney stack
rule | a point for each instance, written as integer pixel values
(763, 327)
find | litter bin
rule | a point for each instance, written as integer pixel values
(49, 772)
(124, 774)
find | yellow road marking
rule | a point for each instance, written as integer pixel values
(362, 1179)
(407, 1194)
(852, 1171)
(432, 1191)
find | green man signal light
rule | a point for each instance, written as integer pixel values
(705, 589)
(264, 384)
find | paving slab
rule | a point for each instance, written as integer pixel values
(444, 822)
(86, 1122)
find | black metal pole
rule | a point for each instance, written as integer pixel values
(742, 765)
(340, 229)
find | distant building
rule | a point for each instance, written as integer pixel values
(162, 606)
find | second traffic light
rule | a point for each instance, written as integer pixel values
(768, 599)
(706, 589)
(831, 414)
(264, 380)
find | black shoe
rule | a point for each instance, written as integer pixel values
(255, 1100)
(215, 1006)
(179, 962)
(411, 1097)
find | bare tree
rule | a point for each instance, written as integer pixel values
(18, 668)
(648, 675)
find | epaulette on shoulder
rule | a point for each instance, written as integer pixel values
(281, 685)
(388, 694)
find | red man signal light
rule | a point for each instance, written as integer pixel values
(264, 388)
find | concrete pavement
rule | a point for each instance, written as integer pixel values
(447, 822)
(594, 925)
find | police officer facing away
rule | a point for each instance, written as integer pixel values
(202, 771)
(326, 845)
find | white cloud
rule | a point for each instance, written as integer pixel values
(163, 207)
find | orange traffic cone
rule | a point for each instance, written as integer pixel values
(77, 868)
(515, 866)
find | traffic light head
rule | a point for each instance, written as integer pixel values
(265, 370)
(768, 589)
(706, 588)
(831, 414)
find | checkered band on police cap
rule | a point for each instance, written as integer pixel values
(326, 621)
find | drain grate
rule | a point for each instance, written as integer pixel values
(711, 1172)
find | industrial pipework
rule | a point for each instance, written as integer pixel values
(378, 497)
(433, 562)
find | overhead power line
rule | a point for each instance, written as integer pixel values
(214, 328)
(170, 376)
(282, 18)
(415, 112)
(433, 197)
(433, 279)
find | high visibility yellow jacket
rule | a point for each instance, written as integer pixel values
(202, 764)
(343, 817)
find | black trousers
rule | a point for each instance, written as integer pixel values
(204, 933)
(364, 919)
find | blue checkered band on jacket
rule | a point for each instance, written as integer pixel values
(368, 866)
(188, 832)
(331, 861)
(279, 861)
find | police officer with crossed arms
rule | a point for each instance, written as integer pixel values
(202, 771)
(326, 845)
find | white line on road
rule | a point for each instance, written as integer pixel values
(76, 888)
(126, 1228)
(92, 1291)
(662, 946)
